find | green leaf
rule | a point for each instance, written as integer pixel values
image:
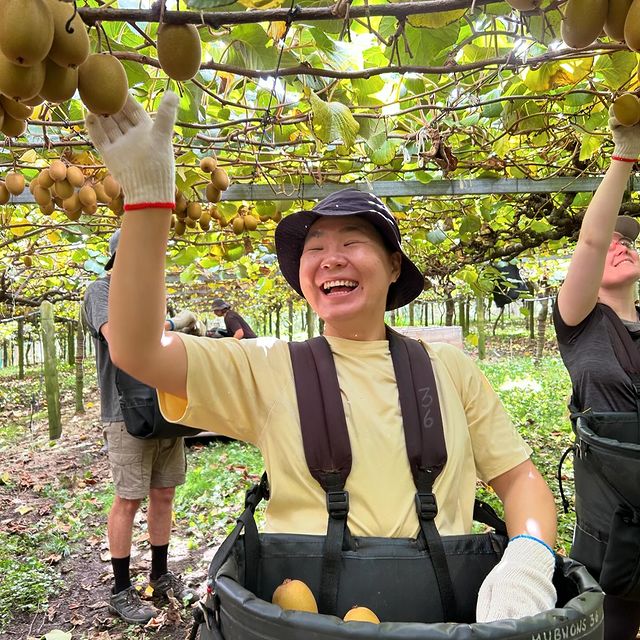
(470, 224)
(333, 121)
(381, 150)
(589, 145)
(203, 5)
(616, 68)
(436, 236)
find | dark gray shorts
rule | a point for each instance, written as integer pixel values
(138, 465)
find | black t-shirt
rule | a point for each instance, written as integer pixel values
(234, 321)
(599, 382)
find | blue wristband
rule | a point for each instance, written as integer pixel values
(528, 537)
(171, 324)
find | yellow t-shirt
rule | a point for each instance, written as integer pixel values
(245, 389)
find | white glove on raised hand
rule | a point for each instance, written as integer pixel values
(138, 151)
(184, 321)
(520, 584)
(626, 140)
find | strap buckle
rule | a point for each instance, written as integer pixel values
(426, 506)
(338, 504)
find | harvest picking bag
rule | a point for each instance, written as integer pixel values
(607, 479)
(422, 588)
(141, 411)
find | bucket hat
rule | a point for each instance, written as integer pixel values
(628, 227)
(219, 304)
(113, 245)
(293, 229)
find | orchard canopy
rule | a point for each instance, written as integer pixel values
(483, 131)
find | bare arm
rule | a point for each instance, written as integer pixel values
(529, 507)
(239, 334)
(579, 292)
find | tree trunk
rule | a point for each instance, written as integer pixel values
(531, 320)
(50, 369)
(21, 349)
(310, 322)
(71, 343)
(450, 311)
(411, 314)
(291, 316)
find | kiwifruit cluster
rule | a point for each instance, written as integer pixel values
(245, 220)
(191, 214)
(43, 60)
(218, 178)
(584, 21)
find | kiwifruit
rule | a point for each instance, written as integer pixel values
(87, 196)
(5, 196)
(33, 102)
(73, 215)
(111, 186)
(205, 221)
(173, 222)
(20, 83)
(616, 16)
(117, 205)
(214, 213)
(101, 194)
(33, 184)
(212, 193)
(102, 83)
(626, 109)
(583, 22)
(632, 26)
(220, 179)
(90, 209)
(190, 223)
(181, 204)
(68, 49)
(238, 225)
(362, 614)
(27, 261)
(15, 109)
(58, 171)
(26, 31)
(524, 5)
(75, 176)
(63, 189)
(14, 182)
(180, 228)
(194, 210)
(60, 83)
(72, 203)
(44, 179)
(208, 163)
(41, 195)
(47, 209)
(179, 50)
(294, 595)
(250, 223)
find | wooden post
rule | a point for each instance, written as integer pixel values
(310, 323)
(393, 317)
(542, 321)
(21, 349)
(278, 322)
(50, 369)
(411, 314)
(480, 320)
(79, 364)
(71, 343)
(290, 320)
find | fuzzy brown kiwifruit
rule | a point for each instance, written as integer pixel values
(75, 176)
(250, 222)
(220, 179)
(626, 109)
(63, 189)
(14, 182)
(26, 31)
(111, 186)
(237, 225)
(12, 127)
(102, 83)
(60, 83)
(41, 195)
(87, 196)
(632, 26)
(69, 48)
(208, 163)
(179, 50)
(212, 193)
(5, 196)
(194, 210)
(20, 83)
(583, 22)
(44, 179)
(58, 171)
(15, 109)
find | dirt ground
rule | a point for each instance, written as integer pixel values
(81, 606)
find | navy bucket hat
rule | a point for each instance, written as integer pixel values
(293, 229)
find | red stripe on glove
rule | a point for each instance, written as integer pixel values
(620, 158)
(149, 205)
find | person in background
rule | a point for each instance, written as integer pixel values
(236, 326)
(140, 469)
(604, 270)
(345, 257)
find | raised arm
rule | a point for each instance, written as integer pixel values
(579, 292)
(139, 153)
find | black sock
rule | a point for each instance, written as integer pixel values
(121, 573)
(159, 560)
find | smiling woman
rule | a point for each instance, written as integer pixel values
(598, 329)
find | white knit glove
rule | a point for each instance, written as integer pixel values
(138, 151)
(626, 140)
(185, 321)
(520, 584)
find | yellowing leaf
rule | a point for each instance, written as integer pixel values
(277, 30)
(333, 121)
(29, 156)
(53, 237)
(436, 20)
